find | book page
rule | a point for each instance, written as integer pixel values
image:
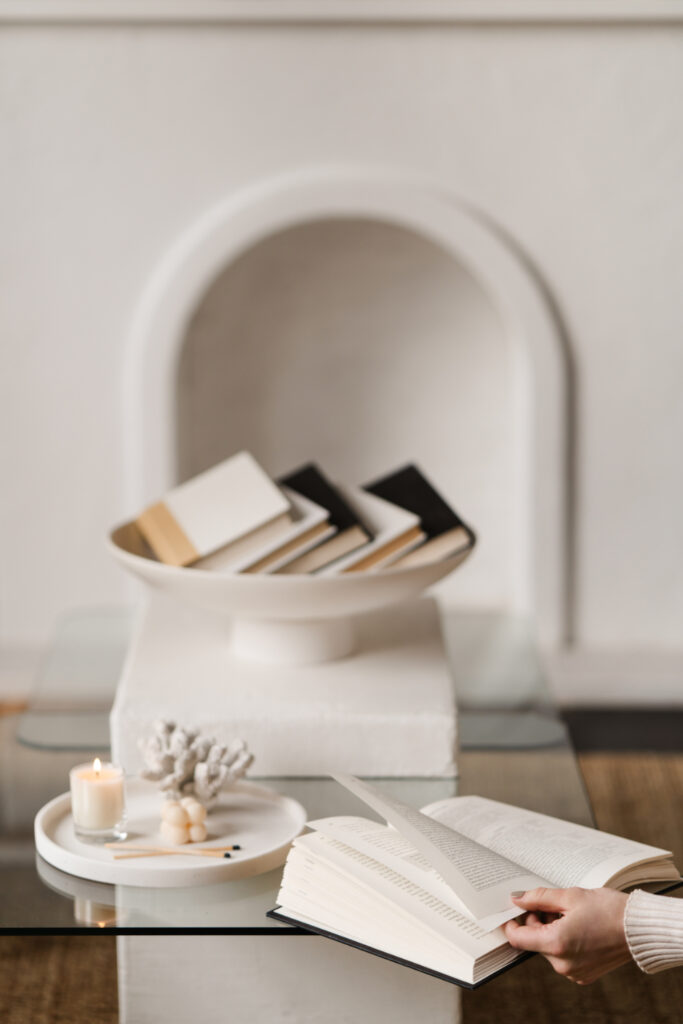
(347, 883)
(565, 853)
(390, 848)
(361, 913)
(481, 878)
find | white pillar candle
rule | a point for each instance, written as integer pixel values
(97, 797)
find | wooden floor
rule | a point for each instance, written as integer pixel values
(55, 980)
(73, 980)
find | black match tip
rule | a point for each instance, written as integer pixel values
(227, 855)
(237, 847)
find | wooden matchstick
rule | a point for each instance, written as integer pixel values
(196, 848)
(211, 854)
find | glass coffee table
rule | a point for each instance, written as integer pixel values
(209, 952)
(513, 747)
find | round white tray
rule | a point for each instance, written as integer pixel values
(262, 822)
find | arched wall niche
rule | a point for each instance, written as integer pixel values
(364, 319)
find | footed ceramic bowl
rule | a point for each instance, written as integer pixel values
(280, 619)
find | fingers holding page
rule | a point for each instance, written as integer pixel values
(579, 931)
(533, 935)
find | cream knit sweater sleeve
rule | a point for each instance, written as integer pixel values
(654, 930)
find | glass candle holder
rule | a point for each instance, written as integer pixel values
(98, 805)
(95, 915)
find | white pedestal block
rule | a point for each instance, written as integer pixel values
(264, 979)
(386, 710)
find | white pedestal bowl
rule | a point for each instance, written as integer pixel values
(280, 619)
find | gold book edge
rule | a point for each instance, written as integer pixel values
(328, 552)
(319, 530)
(381, 554)
(435, 549)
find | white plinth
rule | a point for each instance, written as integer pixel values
(387, 710)
(263, 979)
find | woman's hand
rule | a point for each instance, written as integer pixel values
(579, 931)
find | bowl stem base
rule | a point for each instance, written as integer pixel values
(293, 642)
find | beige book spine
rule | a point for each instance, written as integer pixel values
(165, 536)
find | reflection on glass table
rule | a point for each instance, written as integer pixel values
(502, 694)
(75, 683)
(513, 747)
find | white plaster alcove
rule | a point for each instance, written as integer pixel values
(364, 318)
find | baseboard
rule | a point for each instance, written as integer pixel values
(616, 678)
(655, 730)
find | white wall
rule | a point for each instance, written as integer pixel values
(116, 138)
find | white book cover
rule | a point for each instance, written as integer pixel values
(226, 502)
(394, 530)
(221, 506)
(306, 531)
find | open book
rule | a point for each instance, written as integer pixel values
(431, 888)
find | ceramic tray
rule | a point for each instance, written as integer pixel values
(262, 822)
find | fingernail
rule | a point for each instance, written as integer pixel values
(517, 894)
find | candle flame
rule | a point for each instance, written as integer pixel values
(97, 765)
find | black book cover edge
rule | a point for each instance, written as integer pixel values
(277, 916)
(409, 482)
(309, 481)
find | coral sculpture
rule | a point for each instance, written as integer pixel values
(184, 763)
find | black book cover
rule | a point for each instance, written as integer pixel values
(410, 489)
(276, 915)
(309, 481)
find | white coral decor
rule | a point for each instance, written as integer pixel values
(185, 763)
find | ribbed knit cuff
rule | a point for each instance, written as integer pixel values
(654, 930)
